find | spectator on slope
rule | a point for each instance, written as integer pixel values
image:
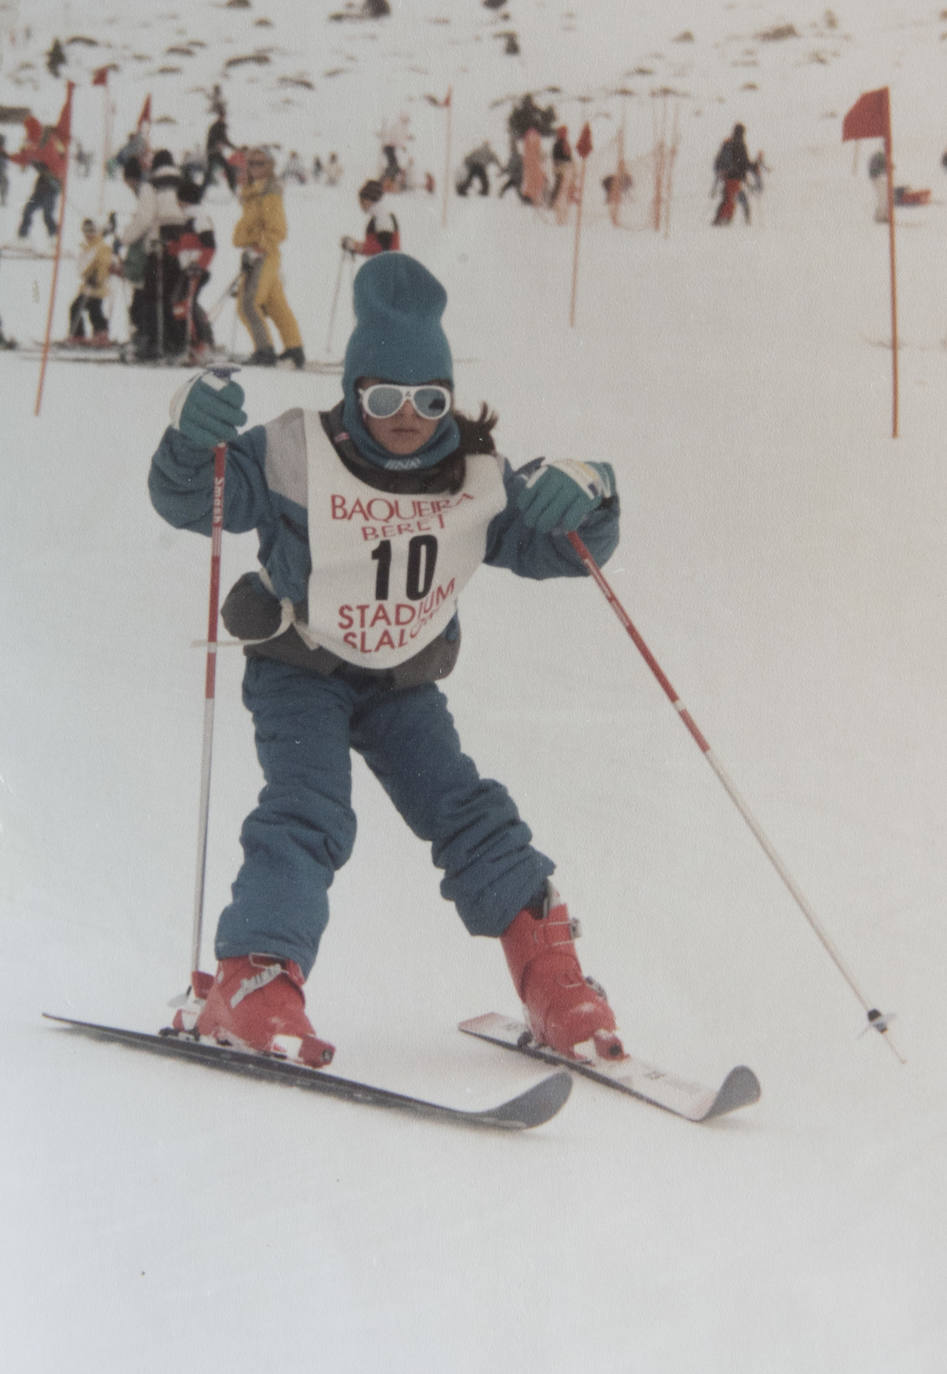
(261, 299)
(533, 186)
(42, 200)
(218, 142)
(563, 175)
(294, 169)
(158, 216)
(513, 172)
(477, 169)
(133, 258)
(333, 170)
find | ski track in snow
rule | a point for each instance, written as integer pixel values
(784, 558)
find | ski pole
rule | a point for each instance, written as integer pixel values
(210, 680)
(216, 308)
(335, 300)
(876, 1020)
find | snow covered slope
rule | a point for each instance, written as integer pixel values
(783, 556)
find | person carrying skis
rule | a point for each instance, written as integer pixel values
(371, 517)
(259, 231)
(731, 166)
(381, 232)
(95, 265)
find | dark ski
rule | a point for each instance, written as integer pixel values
(740, 1088)
(533, 1107)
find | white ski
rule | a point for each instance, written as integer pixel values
(631, 1075)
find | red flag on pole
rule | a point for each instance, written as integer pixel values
(100, 76)
(868, 117)
(145, 116)
(584, 145)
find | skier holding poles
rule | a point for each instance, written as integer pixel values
(371, 518)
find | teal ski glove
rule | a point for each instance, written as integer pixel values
(559, 495)
(207, 409)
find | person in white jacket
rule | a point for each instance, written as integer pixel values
(158, 217)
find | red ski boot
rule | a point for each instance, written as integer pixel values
(565, 1010)
(256, 1002)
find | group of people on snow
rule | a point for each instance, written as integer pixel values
(165, 251)
(164, 255)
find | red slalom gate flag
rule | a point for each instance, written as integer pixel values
(868, 117)
(584, 145)
(100, 76)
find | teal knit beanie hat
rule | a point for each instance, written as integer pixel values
(397, 338)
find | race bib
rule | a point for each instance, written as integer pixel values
(387, 569)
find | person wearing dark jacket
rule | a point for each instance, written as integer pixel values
(732, 166)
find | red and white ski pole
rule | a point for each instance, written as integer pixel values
(210, 683)
(876, 1020)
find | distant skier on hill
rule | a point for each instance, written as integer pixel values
(477, 165)
(218, 141)
(732, 165)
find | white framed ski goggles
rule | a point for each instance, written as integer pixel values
(384, 399)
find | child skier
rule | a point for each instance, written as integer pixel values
(95, 264)
(381, 231)
(371, 517)
(194, 247)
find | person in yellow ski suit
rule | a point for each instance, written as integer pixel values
(259, 231)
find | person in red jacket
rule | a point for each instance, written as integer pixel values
(381, 231)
